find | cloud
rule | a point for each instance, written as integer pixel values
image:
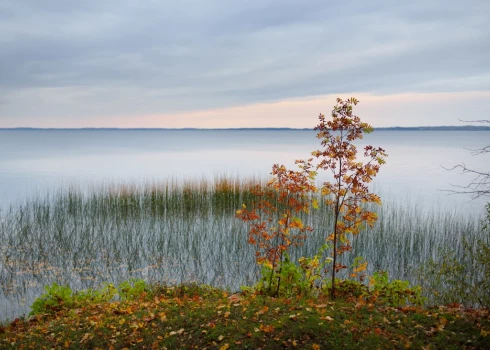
(407, 109)
(76, 60)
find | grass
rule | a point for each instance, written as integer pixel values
(185, 231)
(203, 317)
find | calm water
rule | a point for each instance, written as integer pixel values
(85, 247)
(32, 161)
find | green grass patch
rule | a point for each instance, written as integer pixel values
(203, 317)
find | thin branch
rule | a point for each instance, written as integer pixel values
(479, 151)
(478, 187)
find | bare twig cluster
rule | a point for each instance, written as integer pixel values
(480, 185)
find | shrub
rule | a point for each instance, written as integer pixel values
(58, 297)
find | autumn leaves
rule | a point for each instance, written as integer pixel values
(274, 217)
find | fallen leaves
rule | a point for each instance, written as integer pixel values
(258, 322)
(267, 328)
(262, 311)
(86, 337)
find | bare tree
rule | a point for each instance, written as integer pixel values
(480, 185)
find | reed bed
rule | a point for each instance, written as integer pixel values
(181, 231)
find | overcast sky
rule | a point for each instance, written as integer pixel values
(255, 63)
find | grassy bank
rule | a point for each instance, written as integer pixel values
(199, 317)
(186, 231)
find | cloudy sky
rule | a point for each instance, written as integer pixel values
(255, 63)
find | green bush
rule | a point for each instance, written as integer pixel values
(132, 289)
(394, 293)
(381, 290)
(58, 297)
(289, 278)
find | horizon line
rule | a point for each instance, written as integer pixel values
(248, 128)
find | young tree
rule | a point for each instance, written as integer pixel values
(274, 220)
(348, 190)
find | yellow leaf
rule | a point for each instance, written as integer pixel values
(220, 338)
(315, 204)
(225, 347)
(315, 347)
(121, 321)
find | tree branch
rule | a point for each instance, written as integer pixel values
(478, 187)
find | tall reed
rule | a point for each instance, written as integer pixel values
(184, 230)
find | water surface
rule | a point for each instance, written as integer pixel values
(32, 161)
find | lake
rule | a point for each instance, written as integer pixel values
(32, 161)
(78, 207)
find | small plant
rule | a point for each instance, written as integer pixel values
(94, 296)
(292, 279)
(350, 288)
(132, 289)
(54, 299)
(394, 293)
(59, 297)
(380, 290)
(313, 268)
(285, 282)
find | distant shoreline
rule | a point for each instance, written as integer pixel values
(394, 128)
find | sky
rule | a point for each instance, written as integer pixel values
(255, 63)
